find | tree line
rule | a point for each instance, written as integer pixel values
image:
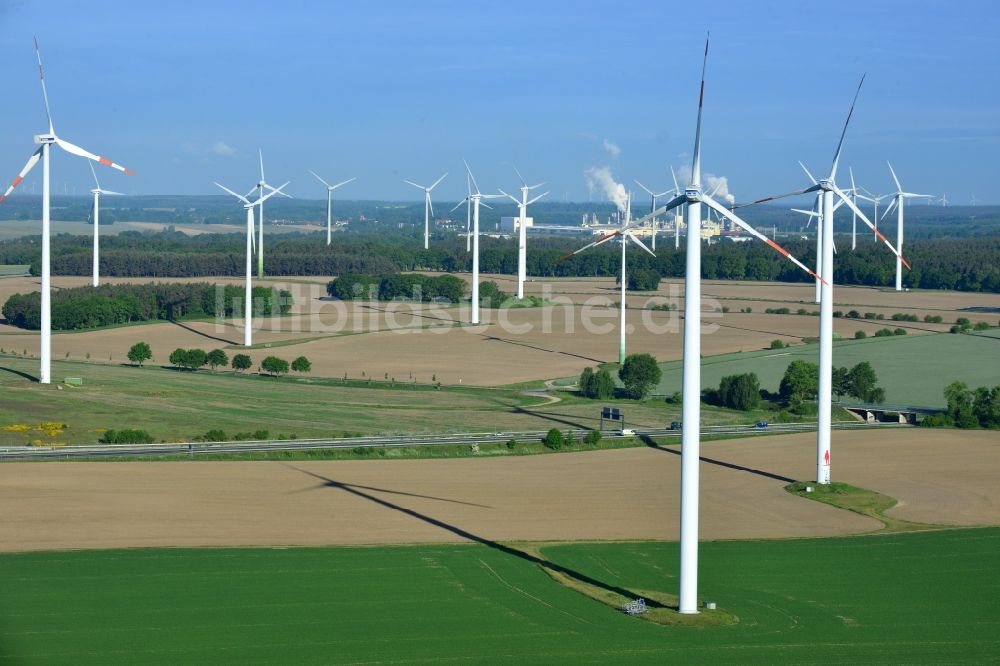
(960, 264)
(109, 304)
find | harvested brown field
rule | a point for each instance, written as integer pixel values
(942, 477)
(578, 329)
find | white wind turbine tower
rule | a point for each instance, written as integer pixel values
(652, 206)
(262, 185)
(827, 188)
(248, 295)
(428, 206)
(522, 231)
(692, 198)
(46, 140)
(899, 197)
(97, 192)
(677, 214)
(625, 235)
(468, 212)
(476, 200)
(329, 201)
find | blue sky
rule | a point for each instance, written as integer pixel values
(185, 92)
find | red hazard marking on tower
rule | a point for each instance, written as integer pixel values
(826, 458)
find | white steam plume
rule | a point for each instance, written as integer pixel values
(600, 178)
(612, 149)
(711, 183)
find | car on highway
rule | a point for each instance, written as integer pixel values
(628, 432)
(675, 425)
(760, 424)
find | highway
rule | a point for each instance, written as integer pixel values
(23, 453)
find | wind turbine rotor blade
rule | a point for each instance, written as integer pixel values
(96, 182)
(238, 196)
(318, 178)
(917, 196)
(519, 176)
(436, 182)
(77, 150)
(810, 213)
(260, 154)
(696, 158)
(814, 188)
(410, 182)
(536, 198)
(813, 180)
(854, 188)
(510, 196)
(864, 218)
(602, 239)
(535, 187)
(45, 93)
(647, 190)
(340, 184)
(889, 208)
(632, 237)
(270, 194)
(899, 188)
(473, 178)
(673, 175)
(117, 194)
(485, 205)
(430, 204)
(715, 189)
(725, 212)
(252, 190)
(458, 205)
(840, 145)
(32, 161)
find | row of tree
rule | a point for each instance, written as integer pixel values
(398, 286)
(962, 264)
(969, 408)
(639, 375)
(193, 359)
(109, 304)
(801, 382)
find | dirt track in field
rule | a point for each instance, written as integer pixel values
(939, 476)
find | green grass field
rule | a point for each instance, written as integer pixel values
(177, 405)
(926, 597)
(914, 369)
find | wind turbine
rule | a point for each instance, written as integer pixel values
(692, 199)
(262, 185)
(248, 297)
(944, 200)
(46, 140)
(522, 237)
(329, 200)
(625, 235)
(476, 200)
(428, 206)
(828, 189)
(899, 197)
(97, 192)
(973, 201)
(652, 206)
(875, 200)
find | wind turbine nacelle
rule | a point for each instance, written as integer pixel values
(693, 194)
(45, 138)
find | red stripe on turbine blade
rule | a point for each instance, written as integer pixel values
(105, 161)
(2, 197)
(129, 172)
(16, 182)
(905, 262)
(776, 246)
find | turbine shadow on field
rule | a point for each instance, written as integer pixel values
(202, 333)
(547, 417)
(20, 373)
(336, 484)
(415, 314)
(491, 338)
(721, 463)
(465, 534)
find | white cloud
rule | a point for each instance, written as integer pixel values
(222, 149)
(600, 178)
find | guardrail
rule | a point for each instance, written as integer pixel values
(16, 453)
